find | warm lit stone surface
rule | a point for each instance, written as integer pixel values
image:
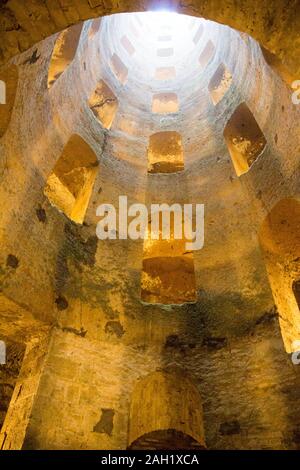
(276, 28)
(168, 274)
(104, 104)
(207, 54)
(244, 139)
(165, 103)
(70, 184)
(64, 52)
(280, 241)
(238, 414)
(168, 280)
(171, 402)
(119, 68)
(165, 153)
(55, 272)
(220, 83)
(165, 73)
(275, 63)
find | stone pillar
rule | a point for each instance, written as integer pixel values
(17, 419)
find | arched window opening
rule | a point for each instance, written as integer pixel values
(296, 291)
(166, 413)
(165, 73)
(165, 153)
(119, 68)
(244, 139)
(168, 275)
(207, 54)
(279, 238)
(70, 184)
(64, 51)
(95, 27)
(165, 103)
(219, 84)
(8, 90)
(104, 104)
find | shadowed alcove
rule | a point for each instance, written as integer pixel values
(166, 413)
(296, 291)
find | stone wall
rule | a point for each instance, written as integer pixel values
(24, 24)
(77, 384)
(249, 386)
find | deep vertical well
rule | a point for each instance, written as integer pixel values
(123, 343)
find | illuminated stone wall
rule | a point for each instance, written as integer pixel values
(249, 386)
(58, 273)
(276, 28)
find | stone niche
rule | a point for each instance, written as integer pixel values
(207, 54)
(165, 153)
(104, 104)
(244, 139)
(198, 34)
(70, 184)
(165, 103)
(119, 68)
(127, 44)
(64, 51)
(165, 73)
(168, 275)
(166, 413)
(279, 238)
(164, 38)
(165, 52)
(95, 27)
(219, 84)
(8, 85)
